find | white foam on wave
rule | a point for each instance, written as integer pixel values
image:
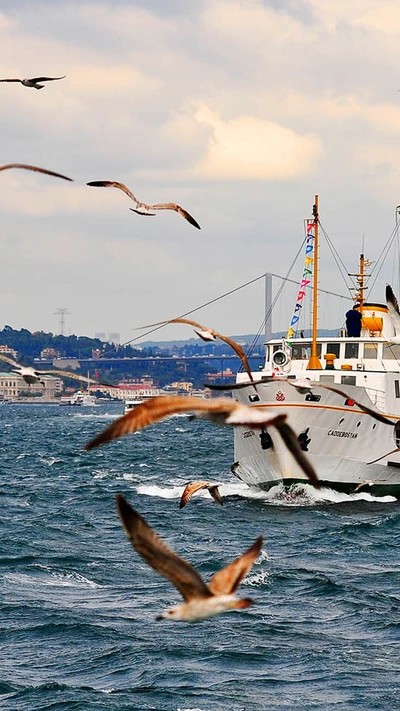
(97, 416)
(298, 495)
(162, 492)
(49, 460)
(51, 579)
(257, 579)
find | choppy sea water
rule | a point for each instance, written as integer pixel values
(78, 605)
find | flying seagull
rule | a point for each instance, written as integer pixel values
(200, 601)
(194, 486)
(31, 375)
(141, 207)
(304, 385)
(394, 313)
(34, 83)
(221, 411)
(210, 334)
(367, 482)
(35, 169)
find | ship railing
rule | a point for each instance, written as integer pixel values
(377, 397)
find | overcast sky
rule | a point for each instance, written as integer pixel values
(238, 110)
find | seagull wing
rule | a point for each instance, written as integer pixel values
(177, 208)
(143, 212)
(158, 555)
(214, 492)
(35, 169)
(191, 489)
(11, 80)
(290, 439)
(156, 409)
(37, 79)
(373, 413)
(10, 361)
(182, 320)
(239, 352)
(238, 386)
(112, 184)
(393, 308)
(227, 580)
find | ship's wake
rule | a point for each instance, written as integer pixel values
(296, 495)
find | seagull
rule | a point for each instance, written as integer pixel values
(31, 375)
(34, 82)
(394, 313)
(141, 207)
(194, 486)
(304, 385)
(210, 334)
(35, 169)
(367, 482)
(221, 411)
(200, 601)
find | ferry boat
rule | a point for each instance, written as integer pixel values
(78, 399)
(348, 448)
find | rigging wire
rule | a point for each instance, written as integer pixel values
(383, 256)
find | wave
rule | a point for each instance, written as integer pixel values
(297, 495)
(51, 578)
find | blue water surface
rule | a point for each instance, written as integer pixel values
(78, 605)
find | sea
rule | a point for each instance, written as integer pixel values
(78, 605)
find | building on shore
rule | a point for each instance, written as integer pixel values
(10, 352)
(13, 387)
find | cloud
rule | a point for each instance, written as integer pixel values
(249, 148)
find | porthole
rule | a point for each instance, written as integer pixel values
(341, 420)
(358, 423)
(374, 426)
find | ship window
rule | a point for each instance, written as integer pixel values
(358, 423)
(341, 420)
(348, 379)
(351, 350)
(254, 398)
(327, 378)
(396, 388)
(333, 348)
(370, 350)
(391, 351)
(302, 351)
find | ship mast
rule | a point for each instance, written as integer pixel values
(314, 363)
(359, 295)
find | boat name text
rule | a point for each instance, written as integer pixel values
(340, 433)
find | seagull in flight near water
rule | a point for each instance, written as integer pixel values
(31, 375)
(210, 334)
(141, 207)
(194, 486)
(221, 411)
(34, 83)
(200, 601)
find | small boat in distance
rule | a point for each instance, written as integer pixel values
(78, 399)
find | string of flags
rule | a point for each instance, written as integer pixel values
(306, 278)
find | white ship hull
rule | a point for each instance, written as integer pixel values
(340, 439)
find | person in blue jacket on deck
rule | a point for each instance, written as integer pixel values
(353, 322)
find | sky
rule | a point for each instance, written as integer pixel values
(238, 110)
